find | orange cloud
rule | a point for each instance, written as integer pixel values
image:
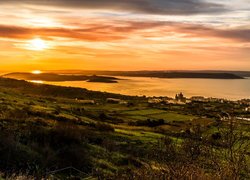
(96, 32)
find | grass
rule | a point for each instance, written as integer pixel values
(172, 116)
(140, 135)
(138, 117)
(143, 112)
(54, 125)
(149, 113)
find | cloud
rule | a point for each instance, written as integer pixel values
(201, 31)
(163, 7)
(124, 30)
(80, 34)
(90, 32)
(240, 34)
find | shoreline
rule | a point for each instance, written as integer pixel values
(135, 87)
(203, 98)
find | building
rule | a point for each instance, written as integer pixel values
(86, 101)
(115, 101)
(244, 101)
(211, 99)
(155, 100)
(180, 97)
(198, 99)
(247, 109)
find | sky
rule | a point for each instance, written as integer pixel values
(124, 35)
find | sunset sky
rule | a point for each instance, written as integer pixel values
(124, 35)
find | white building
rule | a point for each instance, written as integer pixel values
(116, 101)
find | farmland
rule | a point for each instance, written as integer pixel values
(49, 132)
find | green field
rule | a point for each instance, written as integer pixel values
(45, 129)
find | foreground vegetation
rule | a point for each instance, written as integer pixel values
(51, 132)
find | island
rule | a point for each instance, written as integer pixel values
(166, 74)
(60, 77)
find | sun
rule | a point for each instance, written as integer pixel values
(36, 72)
(37, 44)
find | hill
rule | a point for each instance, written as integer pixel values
(52, 132)
(163, 74)
(60, 77)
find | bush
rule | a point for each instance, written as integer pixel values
(36, 149)
(148, 122)
(104, 127)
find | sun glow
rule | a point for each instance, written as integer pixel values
(37, 44)
(41, 22)
(37, 81)
(36, 72)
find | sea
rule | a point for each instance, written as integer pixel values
(231, 89)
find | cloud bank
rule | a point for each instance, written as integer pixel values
(162, 7)
(97, 32)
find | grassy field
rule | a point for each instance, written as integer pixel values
(45, 129)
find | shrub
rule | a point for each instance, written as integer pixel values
(148, 122)
(104, 127)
